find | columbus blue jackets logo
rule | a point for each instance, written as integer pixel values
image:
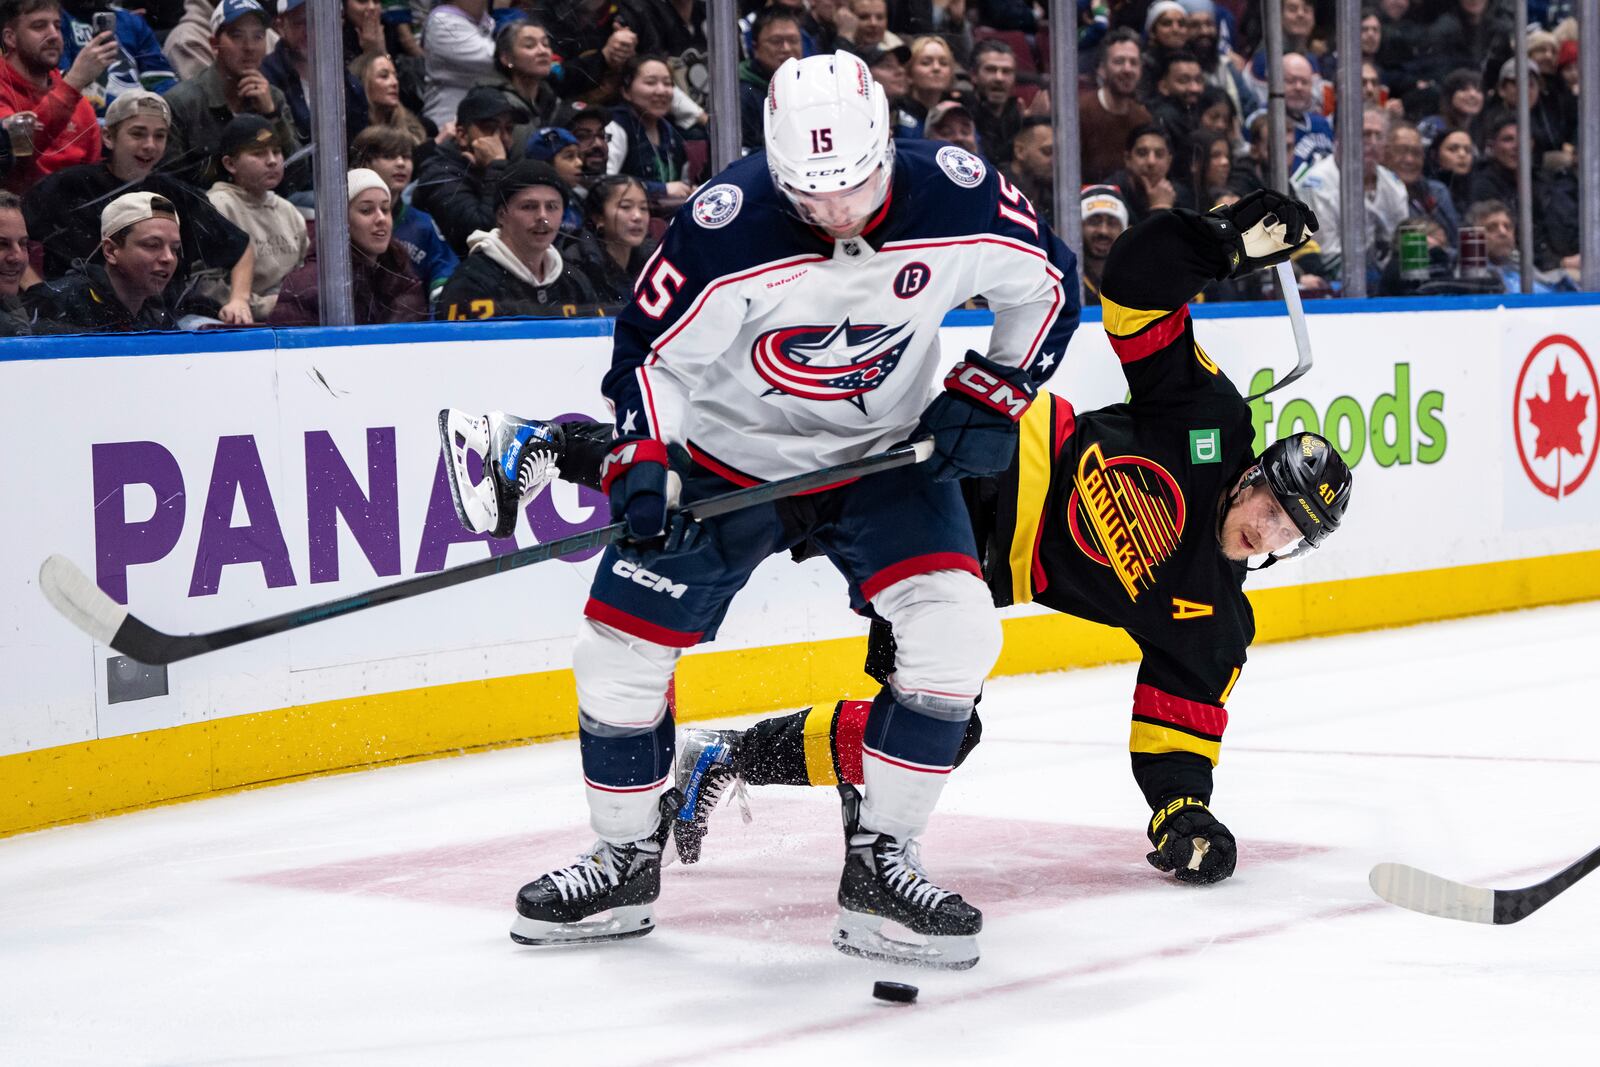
(843, 362)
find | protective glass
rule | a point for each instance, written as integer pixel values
(844, 209)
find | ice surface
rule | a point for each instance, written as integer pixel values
(362, 918)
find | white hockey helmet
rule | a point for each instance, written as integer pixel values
(829, 146)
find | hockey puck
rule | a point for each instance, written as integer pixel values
(894, 992)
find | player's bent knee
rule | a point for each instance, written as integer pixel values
(946, 630)
(622, 679)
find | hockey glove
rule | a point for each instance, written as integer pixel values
(1262, 229)
(636, 479)
(1191, 842)
(973, 423)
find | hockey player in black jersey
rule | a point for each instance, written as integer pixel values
(1139, 515)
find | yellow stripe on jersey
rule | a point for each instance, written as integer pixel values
(1227, 689)
(1033, 485)
(1152, 739)
(818, 735)
(1125, 322)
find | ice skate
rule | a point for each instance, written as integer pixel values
(883, 880)
(707, 771)
(519, 458)
(623, 880)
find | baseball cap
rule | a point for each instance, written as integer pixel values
(230, 11)
(129, 209)
(873, 56)
(525, 175)
(1508, 70)
(245, 132)
(286, 6)
(137, 102)
(943, 110)
(548, 142)
(484, 102)
(1104, 200)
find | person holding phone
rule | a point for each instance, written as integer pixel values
(136, 63)
(49, 122)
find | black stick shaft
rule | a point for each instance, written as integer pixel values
(1513, 904)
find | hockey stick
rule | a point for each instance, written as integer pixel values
(86, 606)
(1297, 322)
(1432, 895)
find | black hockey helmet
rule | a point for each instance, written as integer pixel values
(1311, 481)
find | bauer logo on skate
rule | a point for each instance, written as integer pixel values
(1125, 513)
(1553, 416)
(843, 362)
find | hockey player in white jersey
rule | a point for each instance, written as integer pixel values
(789, 322)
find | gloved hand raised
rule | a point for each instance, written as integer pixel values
(1190, 841)
(973, 423)
(1262, 229)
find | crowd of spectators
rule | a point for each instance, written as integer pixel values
(521, 157)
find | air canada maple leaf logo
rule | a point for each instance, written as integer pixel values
(1554, 416)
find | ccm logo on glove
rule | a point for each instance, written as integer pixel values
(1010, 399)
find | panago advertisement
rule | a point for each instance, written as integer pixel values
(209, 480)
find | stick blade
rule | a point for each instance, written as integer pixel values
(79, 600)
(1408, 887)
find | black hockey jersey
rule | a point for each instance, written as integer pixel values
(1112, 515)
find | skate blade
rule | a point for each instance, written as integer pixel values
(861, 936)
(460, 433)
(624, 923)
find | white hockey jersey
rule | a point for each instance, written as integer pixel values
(769, 349)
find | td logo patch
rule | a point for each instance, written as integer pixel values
(1205, 446)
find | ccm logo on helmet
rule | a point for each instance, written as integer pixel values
(649, 579)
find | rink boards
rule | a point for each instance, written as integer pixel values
(210, 479)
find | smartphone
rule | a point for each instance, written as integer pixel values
(104, 22)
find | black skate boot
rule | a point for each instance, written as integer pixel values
(884, 880)
(621, 879)
(707, 771)
(519, 458)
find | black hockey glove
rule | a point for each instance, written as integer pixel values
(636, 479)
(1190, 841)
(1262, 229)
(973, 423)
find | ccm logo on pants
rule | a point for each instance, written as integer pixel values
(649, 579)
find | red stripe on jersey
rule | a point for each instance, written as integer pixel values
(634, 626)
(740, 478)
(1066, 423)
(1161, 334)
(1207, 719)
(849, 732)
(906, 568)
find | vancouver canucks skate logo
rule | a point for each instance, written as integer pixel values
(843, 362)
(1125, 513)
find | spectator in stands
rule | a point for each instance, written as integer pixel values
(595, 41)
(1460, 107)
(138, 63)
(775, 37)
(1108, 113)
(1427, 198)
(456, 185)
(380, 84)
(933, 76)
(1450, 160)
(589, 127)
(14, 318)
(188, 45)
(870, 29)
(559, 148)
(458, 49)
(125, 291)
(951, 121)
(995, 111)
(1495, 176)
(889, 68)
(677, 30)
(364, 33)
(1211, 167)
(1401, 40)
(1105, 216)
(1175, 105)
(231, 86)
(45, 111)
(1145, 179)
(386, 152)
(821, 24)
(1024, 15)
(1552, 140)
(1166, 30)
(1386, 199)
(515, 268)
(382, 285)
(288, 69)
(1567, 66)
(1462, 37)
(618, 216)
(64, 211)
(524, 59)
(1311, 133)
(1215, 112)
(1219, 72)
(640, 139)
(1500, 242)
(1032, 168)
(252, 159)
